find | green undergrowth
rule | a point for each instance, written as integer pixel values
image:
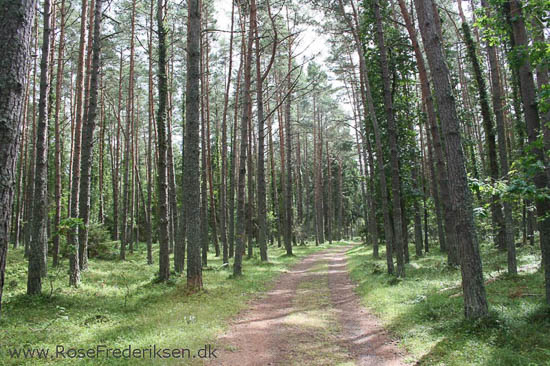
(425, 309)
(119, 303)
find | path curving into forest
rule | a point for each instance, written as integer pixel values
(311, 316)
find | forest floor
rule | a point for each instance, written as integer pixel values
(120, 304)
(327, 305)
(311, 316)
(425, 310)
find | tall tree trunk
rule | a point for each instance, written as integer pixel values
(101, 168)
(233, 165)
(262, 215)
(317, 171)
(171, 174)
(88, 128)
(246, 115)
(368, 106)
(191, 198)
(223, 176)
(340, 199)
(204, 191)
(15, 36)
(288, 192)
(513, 9)
(496, 208)
(116, 163)
(392, 137)
(162, 184)
(299, 188)
(209, 167)
(204, 166)
(126, 229)
(72, 237)
(39, 237)
(330, 212)
(475, 301)
(274, 193)
(250, 185)
(151, 116)
(180, 248)
(58, 172)
(447, 238)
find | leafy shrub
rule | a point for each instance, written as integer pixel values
(99, 243)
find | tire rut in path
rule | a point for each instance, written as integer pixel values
(310, 316)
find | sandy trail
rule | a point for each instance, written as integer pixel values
(310, 316)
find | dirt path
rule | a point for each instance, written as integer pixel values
(311, 316)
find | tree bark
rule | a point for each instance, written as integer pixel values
(15, 35)
(151, 116)
(499, 224)
(58, 142)
(72, 237)
(246, 115)
(88, 139)
(223, 180)
(475, 301)
(513, 10)
(191, 164)
(39, 237)
(162, 184)
(392, 137)
(288, 227)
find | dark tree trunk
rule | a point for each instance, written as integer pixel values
(39, 237)
(394, 155)
(246, 115)
(72, 237)
(329, 206)
(417, 220)
(368, 106)
(116, 162)
(288, 176)
(15, 35)
(475, 301)
(514, 15)
(126, 229)
(162, 184)
(274, 193)
(446, 229)
(262, 215)
(204, 192)
(223, 177)
(58, 171)
(88, 128)
(496, 208)
(191, 198)
(317, 171)
(151, 116)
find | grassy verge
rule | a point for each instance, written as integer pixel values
(425, 310)
(119, 304)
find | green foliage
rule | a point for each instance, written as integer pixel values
(99, 243)
(425, 309)
(119, 304)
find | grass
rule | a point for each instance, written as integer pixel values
(119, 304)
(425, 310)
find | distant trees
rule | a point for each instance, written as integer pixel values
(441, 141)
